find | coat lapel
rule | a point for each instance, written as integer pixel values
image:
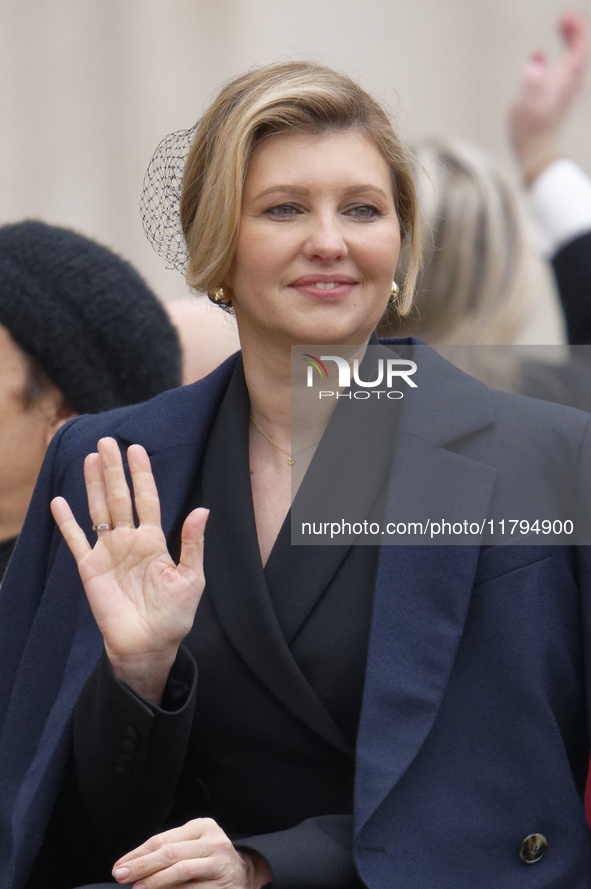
(422, 592)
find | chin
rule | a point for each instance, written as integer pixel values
(331, 337)
(327, 332)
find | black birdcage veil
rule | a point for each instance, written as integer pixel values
(160, 200)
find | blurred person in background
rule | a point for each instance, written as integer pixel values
(206, 338)
(559, 192)
(80, 332)
(480, 272)
(481, 275)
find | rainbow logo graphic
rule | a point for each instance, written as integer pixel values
(314, 362)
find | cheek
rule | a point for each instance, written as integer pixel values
(258, 258)
(379, 244)
(382, 257)
(247, 248)
(19, 436)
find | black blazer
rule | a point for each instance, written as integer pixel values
(473, 731)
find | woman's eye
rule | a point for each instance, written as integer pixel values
(283, 211)
(363, 212)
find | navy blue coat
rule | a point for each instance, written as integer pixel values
(473, 731)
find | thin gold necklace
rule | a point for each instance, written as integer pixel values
(290, 456)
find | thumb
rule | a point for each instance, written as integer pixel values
(192, 540)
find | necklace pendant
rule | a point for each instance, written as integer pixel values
(291, 460)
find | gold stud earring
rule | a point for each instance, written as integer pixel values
(394, 293)
(217, 296)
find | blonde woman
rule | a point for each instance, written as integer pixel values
(251, 712)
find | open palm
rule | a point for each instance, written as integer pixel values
(143, 603)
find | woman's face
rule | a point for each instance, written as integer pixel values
(318, 241)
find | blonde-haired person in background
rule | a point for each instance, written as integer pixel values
(480, 272)
(481, 276)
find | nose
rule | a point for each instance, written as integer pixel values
(325, 239)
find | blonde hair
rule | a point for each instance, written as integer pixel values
(480, 273)
(289, 97)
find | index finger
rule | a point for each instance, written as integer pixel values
(192, 830)
(71, 530)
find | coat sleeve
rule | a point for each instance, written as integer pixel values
(129, 753)
(48, 644)
(22, 588)
(315, 854)
(129, 756)
(41, 589)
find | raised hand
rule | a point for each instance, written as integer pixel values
(544, 98)
(143, 603)
(197, 853)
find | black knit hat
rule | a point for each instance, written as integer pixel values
(86, 316)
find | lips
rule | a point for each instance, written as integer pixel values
(307, 280)
(331, 287)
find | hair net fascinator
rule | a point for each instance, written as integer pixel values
(161, 195)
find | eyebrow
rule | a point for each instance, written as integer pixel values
(298, 190)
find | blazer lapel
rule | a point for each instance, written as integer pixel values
(235, 578)
(298, 577)
(422, 592)
(251, 625)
